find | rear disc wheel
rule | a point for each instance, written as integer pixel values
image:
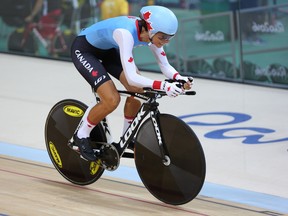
(60, 126)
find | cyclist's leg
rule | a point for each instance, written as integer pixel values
(132, 105)
(85, 58)
(109, 100)
(113, 64)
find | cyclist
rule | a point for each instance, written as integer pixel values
(49, 14)
(106, 47)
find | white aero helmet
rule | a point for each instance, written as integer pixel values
(159, 19)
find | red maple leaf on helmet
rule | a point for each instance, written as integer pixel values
(146, 17)
(149, 26)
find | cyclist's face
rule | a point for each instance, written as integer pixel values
(160, 39)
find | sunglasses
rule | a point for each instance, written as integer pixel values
(165, 37)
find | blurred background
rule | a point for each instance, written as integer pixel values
(244, 41)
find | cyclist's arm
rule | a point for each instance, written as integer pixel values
(163, 63)
(36, 9)
(125, 42)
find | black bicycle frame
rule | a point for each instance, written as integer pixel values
(148, 107)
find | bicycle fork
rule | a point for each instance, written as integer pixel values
(156, 124)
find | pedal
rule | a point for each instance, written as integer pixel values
(107, 153)
(73, 146)
(109, 157)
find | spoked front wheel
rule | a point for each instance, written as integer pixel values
(179, 178)
(61, 124)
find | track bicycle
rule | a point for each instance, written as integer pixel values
(168, 155)
(48, 33)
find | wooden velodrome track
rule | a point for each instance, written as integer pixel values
(28, 89)
(29, 188)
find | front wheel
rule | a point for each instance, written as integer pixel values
(179, 178)
(15, 40)
(60, 126)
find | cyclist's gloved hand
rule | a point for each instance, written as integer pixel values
(188, 81)
(171, 89)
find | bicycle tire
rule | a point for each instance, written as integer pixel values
(60, 126)
(181, 181)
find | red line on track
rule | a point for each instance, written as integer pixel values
(107, 193)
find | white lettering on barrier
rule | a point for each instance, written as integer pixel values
(208, 36)
(278, 27)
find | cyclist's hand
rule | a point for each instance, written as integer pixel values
(188, 81)
(171, 89)
(28, 19)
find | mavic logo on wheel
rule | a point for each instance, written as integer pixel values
(55, 155)
(132, 127)
(73, 111)
(94, 168)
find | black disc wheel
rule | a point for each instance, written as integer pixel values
(179, 178)
(61, 124)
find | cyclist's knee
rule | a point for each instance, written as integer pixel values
(131, 101)
(111, 102)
